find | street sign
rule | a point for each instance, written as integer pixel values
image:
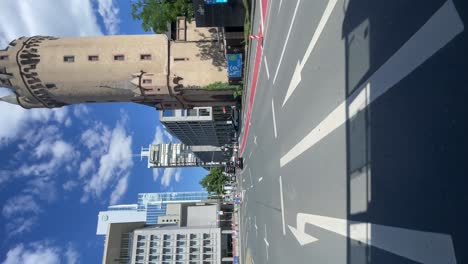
(235, 260)
(234, 65)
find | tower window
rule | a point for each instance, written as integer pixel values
(119, 57)
(3, 57)
(93, 57)
(69, 58)
(147, 81)
(145, 57)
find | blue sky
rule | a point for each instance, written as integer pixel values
(61, 166)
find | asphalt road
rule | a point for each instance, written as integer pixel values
(358, 137)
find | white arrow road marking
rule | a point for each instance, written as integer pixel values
(424, 247)
(286, 42)
(438, 31)
(260, 179)
(255, 140)
(296, 78)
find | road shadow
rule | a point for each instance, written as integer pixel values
(407, 150)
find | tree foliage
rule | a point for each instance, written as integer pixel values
(218, 86)
(156, 14)
(214, 181)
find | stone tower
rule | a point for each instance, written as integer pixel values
(51, 72)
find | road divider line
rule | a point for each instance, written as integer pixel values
(447, 24)
(274, 118)
(286, 42)
(282, 205)
(266, 67)
(296, 78)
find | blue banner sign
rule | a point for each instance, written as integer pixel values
(210, 2)
(234, 65)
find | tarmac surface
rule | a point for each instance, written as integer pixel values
(355, 133)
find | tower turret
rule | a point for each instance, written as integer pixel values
(51, 72)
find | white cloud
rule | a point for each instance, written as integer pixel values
(57, 152)
(158, 136)
(80, 111)
(110, 15)
(20, 225)
(96, 139)
(41, 252)
(86, 167)
(161, 136)
(46, 17)
(119, 190)
(114, 164)
(169, 174)
(71, 255)
(69, 185)
(19, 205)
(43, 187)
(156, 173)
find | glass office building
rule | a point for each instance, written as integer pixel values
(155, 204)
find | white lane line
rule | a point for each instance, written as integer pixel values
(267, 245)
(266, 242)
(266, 67)
(279, 7)
(260, 179)
(251, 181)
(282, 205)
(286, 42)
(256, 228)
(296, 78)
(274, 118)
(438, 31)
(261, 16)
(267, 25)
(250, 154)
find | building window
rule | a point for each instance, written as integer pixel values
(145, 57)
(68, 58)
(50, 85)
(181, 59)
(93, 57)
(4, 57)
(119, 57)
(147, 81)
(34, 50)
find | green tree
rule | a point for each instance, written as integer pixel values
(156, 14)
(214, 181)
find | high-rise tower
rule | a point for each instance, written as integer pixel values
(51, 72)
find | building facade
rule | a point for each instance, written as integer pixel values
(49, 72)
(169, 155)
(152, 208)
(199, 126)
(133, 243)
